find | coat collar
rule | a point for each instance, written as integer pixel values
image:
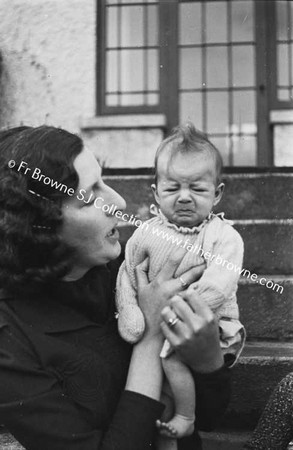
(66, 306)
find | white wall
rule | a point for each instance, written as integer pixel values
(48, 62)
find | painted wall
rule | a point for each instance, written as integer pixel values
(48, 62)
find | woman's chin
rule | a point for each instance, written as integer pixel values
(115, 251)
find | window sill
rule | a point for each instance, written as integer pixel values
(123, 121)
(281, 116)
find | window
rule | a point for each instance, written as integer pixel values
(224, 64)
(130, 58)
(282, 53)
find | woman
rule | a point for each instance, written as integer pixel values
(67, 380)
(275, 427)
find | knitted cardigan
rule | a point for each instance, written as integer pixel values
(214, 242)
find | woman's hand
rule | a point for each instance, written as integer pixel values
(145, 371)
(195, 335)
(154, 296)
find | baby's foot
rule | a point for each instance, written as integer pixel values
(177, 427)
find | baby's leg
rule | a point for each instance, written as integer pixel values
(183, 389)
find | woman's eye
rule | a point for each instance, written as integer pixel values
(92, 201)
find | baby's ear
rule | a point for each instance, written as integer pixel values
(155, 192)
(219, 193)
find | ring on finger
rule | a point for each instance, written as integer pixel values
(172, 322)
(184, 284)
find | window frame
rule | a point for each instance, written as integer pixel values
(275, 103)
(101, 107)
(266, 71)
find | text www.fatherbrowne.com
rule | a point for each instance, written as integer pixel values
(198, 250)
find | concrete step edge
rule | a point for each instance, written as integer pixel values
(275, 278)
(247, 222)
(225, 175)
(266, 352)
(227, 435)
(283, 279)
(241, 222)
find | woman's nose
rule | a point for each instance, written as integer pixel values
(113, 198)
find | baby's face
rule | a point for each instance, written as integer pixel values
(186, 191)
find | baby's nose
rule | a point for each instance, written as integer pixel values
(184, 195)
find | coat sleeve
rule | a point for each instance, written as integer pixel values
(40, 415)
(213, 395)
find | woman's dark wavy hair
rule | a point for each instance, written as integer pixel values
(31, 253)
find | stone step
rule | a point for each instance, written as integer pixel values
(227, 440)
(267, 313)
(247, 195)
(268, 245)
(224, 440)
(260, 368)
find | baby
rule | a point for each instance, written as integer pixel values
(187, 187)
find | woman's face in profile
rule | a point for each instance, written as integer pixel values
(87, 226)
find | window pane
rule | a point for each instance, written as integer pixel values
(152, 70)
(283, 66)
(132, 70)
(244, 150)
(153, 99)
(112, 100)
(132, 99)
(152, 27)
(244, 108)
(243, 66)
(222, 144)
(282, 20)
(112, 27)
(216, 20)
(189, 23)
(217, 107)
(132, 26)
(291, 24)
(190, 67)
(191, 108)
(242, 21)
(217, 67)
(284, 95)
(115, 2)
(112, 71)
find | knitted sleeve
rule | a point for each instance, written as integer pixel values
(224, 260)
(131, 322)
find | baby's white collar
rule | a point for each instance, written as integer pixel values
(186, 230)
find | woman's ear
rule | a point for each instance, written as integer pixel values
(155, 192)
(219, 193)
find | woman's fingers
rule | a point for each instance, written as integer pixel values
(170, 325)
(171, 265)
(170, 334)
(197, 305)
(141, 272)
(187, 278)
(195, 335)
